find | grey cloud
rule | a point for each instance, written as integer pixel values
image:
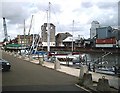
(119, 14)
(107, 5)
(69, 28)
(106, 19)
(87, 4)
(107, 15)
(84, 6)
(55, 8)
(15, 12)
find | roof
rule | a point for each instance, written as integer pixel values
(13, 45)
(45, 24)
(104, 27)
(96, 22)
(68, 39)
(26, 36)
(63, 36)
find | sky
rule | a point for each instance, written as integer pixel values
(62, 14)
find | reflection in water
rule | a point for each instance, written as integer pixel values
(111, 58)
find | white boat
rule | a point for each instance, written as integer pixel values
(106, 70)
(67, 59)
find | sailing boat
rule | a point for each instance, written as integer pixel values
(33, 50)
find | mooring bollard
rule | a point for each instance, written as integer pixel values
(103, 85)
(23, 56)
(30, 58)
(14, 54)
(87, 80)
(83, 69)
(57, 64)
(40, 60)
(17, 55)
(9, 52)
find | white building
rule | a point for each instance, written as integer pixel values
(94, 25)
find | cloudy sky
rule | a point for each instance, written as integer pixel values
(63, 12)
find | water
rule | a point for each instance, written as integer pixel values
(112, 59)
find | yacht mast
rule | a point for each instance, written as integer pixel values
(72, 35)
(24, 34)
(48, 32)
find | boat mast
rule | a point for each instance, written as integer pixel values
(33, 33)
(48, 32)
(24, 34)
(31, 23)
(72, 35)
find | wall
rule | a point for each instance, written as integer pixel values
(104, 32)
(94, 25)
(44, 34)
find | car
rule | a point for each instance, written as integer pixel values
(4, 65)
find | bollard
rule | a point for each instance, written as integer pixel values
(57, 64)
(23, 56)
(103, 85)
(87, 80)
(40, 60)
(83, 69)
(30, 58)
(14, 55)
(17, 54)
(9, 52)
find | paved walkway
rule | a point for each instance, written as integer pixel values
(113, 80)
(29, 77)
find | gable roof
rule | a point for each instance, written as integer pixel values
(68, 39)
